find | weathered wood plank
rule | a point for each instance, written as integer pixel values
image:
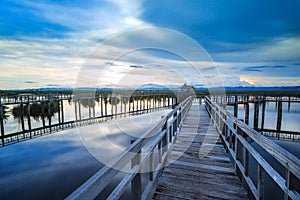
(189, 176)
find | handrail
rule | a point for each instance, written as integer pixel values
(165, 135)
(235, 137)
(29, 132)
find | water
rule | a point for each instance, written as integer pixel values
(290, 116)
(12, 121)
(290, 122)
(53, 166)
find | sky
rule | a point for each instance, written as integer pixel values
(63, 43)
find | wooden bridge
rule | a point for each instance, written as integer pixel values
(199, 166)
(185, 157)
(259, 115)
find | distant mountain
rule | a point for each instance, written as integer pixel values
(253, 88)
(173, 87)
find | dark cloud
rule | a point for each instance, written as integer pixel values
(261, 68)
(137, 66)
(30, 82)
(205, 69)
(278, 66)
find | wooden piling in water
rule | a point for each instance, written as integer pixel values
(101, 104)
(247, 113)
(62, 111)
(76, 114)
(2, 124)
(49, 115)
(58, 108)
(28, 118)
(263, 114)
(22, 117)
(256, 113)
(43, 115)
(279, 117)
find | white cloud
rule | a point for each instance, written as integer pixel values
(47, 59)
(281, 49)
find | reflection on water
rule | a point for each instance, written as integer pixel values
(37, 110)
(290, 115)
(40, 115)
(12, 122)
(53, 166)
(49, 167)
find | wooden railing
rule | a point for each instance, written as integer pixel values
(128, 105)
(157, 143)
(237, 137)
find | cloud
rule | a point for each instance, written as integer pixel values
(136, 66)
(227, 21)
(46, 41)
(53, 85)
(30, 82)
(261, 68)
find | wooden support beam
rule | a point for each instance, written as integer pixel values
(263, 114)
(79, 110)
(62, 111)
(235, 110)
(279, 116)
(76, 114)
(247, 113)
(101, 104)
(2, 124)
(49, 115)
(22, 117)
(43, 115)
(28, 118)
(59, 114)
(256, 114)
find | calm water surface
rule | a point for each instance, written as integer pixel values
(53, 166)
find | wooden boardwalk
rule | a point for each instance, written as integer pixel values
(195, 174)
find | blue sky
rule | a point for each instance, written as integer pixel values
(46, 43)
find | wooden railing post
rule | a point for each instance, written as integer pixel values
(136, 183)
(151, 168)
(287, 183)
(260, 182)
(246, 160)
(165, 137)
(175, 123)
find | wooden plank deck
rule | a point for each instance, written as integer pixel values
(191, 175)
